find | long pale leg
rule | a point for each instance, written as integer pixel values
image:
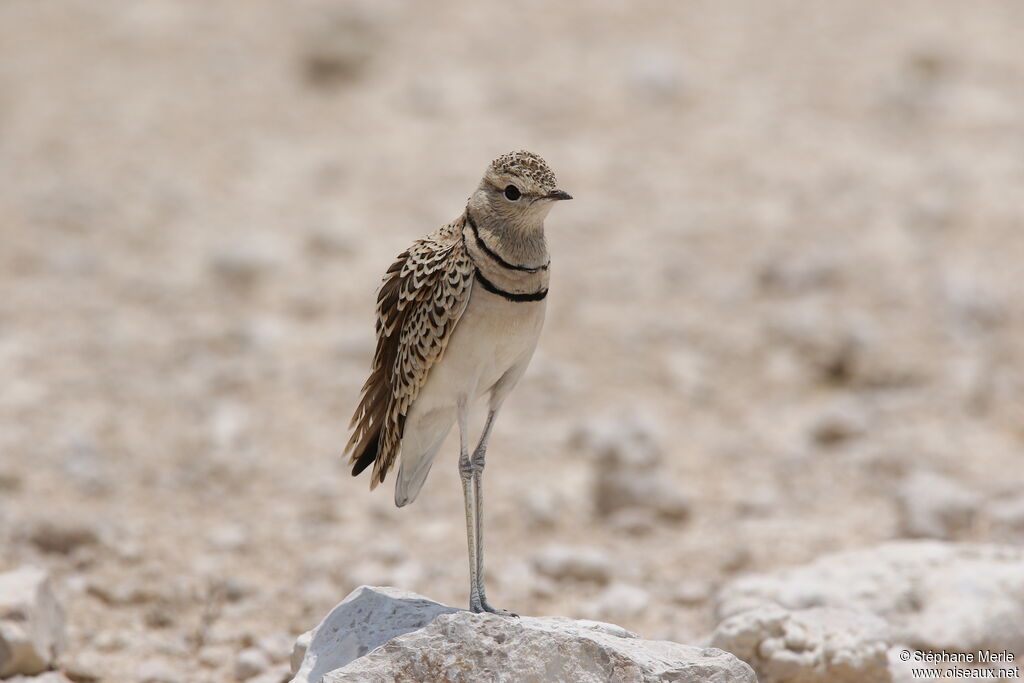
(477, 464)
(466, 475)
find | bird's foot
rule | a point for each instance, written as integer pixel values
(478, 606)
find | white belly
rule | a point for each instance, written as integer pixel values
(494, 339)
(486, 355)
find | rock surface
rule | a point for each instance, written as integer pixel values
(31, 622)
(934, 595)
(436, 642)
(819, 645)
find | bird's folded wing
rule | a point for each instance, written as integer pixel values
(423, 295)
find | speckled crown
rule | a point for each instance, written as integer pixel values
(525, 164)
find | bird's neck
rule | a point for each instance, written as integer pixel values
(517, 243)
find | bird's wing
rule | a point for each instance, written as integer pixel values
(420, 301)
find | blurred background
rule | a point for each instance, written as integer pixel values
(785, 313)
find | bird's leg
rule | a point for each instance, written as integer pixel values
(466, 475)
(477, 469)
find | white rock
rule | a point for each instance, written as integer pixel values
(818, 645)
(31, 622)
(458, 646)
(48, 677)
(934, 506)
(936, 595)
(574, 564)
(250, 662)
(367, 618)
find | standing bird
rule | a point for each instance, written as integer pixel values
(458, 318)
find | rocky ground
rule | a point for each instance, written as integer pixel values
(785, 314)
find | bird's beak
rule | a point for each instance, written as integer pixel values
(557, 195)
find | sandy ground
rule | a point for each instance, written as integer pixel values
(796, 251)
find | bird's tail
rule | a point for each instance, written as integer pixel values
(368, 455)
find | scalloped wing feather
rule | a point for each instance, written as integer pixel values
(421, 299)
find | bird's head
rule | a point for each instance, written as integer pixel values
(518, 189)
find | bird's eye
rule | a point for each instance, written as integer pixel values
(512, 193)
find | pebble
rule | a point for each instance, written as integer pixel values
(157, 671)
(1007, 517)
(838, 424)
(932, 505)
(32, 622)
(574, 564)
(692, 592)
(228, 538)
(60, 536)
(617, 601)
(242, 266)
(251, 662)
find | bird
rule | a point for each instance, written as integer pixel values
(458, 317)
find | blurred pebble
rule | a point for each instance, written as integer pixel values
(574, 564)
(157, 671)
(541, 508)
(616, 490)
(838, 423)
(228, 538)
(617, 601)
(633, 521)
(214, 656)
(330, 242)
(251, 662)
(691, 592)
(340, 45)
(277, 645)
(242, 266)
(655, 75)
(61, 536)
(631, 440)
(1007, 518)
(122, 594)
(85, 666)
(932, 505)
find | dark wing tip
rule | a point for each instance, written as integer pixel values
(368, 455)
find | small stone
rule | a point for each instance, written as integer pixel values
(242, 266)
(215, 656)
(299, 651)
(935, 506)
(655, 75)
(251, 662)
(228, 538)
(691, 592)
(31, 623)
(1008, 518)
(574, 564)
(541, 508)
(618, 600)
(631, 441)
(618, 489)
(633, 521)
(86, 667)
(838, 424)
(157, 671)
(61, 536)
